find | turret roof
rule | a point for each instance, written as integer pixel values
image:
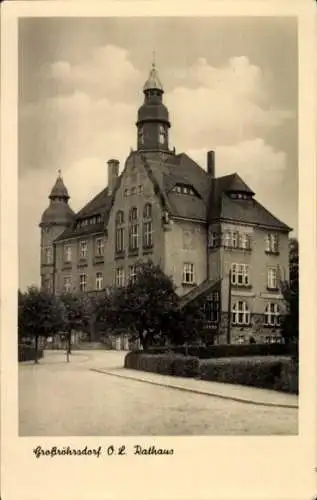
(59, 189)
(153, 81)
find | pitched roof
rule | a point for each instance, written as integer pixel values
(99, 205)
(180, 169)
(205, 287)
(95, 206)
(250, 211)
(222, 206)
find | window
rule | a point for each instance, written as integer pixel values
(271, 243)
(188, 273)
(272, 278)
(212, 308)
(119, 231)
(99, 281)
(132, 273)
(272, 315)
(140, 189)
(133, 229)
(67, 252)
(141, 136)
(82, 282)
(214, 239)
(133, 190)
(120, 276)
(240, 274)
(240, 313)
(48, 255)
(227, 239)
(67, 284)
(99, 247)
(235, 239)
(147, 226)
(98, 219)
(48, 285)
(161, 134)
(184, 189)
(126, 192)
(245, 241)
(83, 249)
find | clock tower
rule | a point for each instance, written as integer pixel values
(153, 120)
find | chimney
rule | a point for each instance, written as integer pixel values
(211, 163)
(113, 173)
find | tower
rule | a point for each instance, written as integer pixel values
(153, 120)
(54, 221)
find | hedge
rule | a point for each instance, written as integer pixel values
(227, 350)
(281, 375)
(277, 374)
(165, 364)
(26, 353)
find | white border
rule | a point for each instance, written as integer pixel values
(221, 467)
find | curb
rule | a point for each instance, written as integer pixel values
(196, 391)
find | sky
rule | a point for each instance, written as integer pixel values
(230, 86)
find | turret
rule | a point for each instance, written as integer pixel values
(153, 119)
(55, 219)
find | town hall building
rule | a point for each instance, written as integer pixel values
(208, 233)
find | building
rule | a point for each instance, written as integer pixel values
(209, 233)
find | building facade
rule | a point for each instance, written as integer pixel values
(208, 233)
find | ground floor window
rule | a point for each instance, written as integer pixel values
(240, 313)
(212, 308)
(272, 315)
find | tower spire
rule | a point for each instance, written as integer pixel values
(153, 120)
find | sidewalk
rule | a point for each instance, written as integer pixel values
(244, 394)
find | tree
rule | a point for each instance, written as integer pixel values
(76, 311)
(39, 315)
(146, 306)
(290, 290)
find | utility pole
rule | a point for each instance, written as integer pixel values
(229, 311)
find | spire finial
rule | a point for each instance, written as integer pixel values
(59, 172)
(153, 63)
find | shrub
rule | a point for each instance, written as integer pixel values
(288, 381)
(26, 353)
(227, 350)
(264, 373)
(165, 364)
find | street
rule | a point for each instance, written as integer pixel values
(57, 398)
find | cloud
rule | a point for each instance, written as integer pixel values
(107, 71)
(262, 167)
(60, 130)
(257, 162)
(225, 105)
(84, 179)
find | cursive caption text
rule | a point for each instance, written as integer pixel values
(110, 450)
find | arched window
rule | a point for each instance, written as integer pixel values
(141, 135)
(240, 313)
(272, 315)
(133, 229)
(119, 232)
(161, 134)
(147, 226)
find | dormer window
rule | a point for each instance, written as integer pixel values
(239, 196)
(184, 189)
